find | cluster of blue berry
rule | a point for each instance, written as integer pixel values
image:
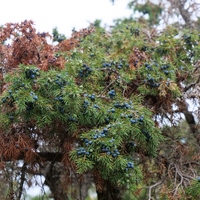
(82, 151)
(86, 104)
(187, 39)
(147, 135)
(123, 105)
(151, 81)
(139, 120)
(60, 81)
(133, 120)
(87, 142)
(34, 96)
(130, 165)
(92, 97)
(60, 103)
(85, 71)
(108, 150)
(116, 65)
(165, 69)
(32, 73)
(111, 93)
(100, 134)
(9, 99)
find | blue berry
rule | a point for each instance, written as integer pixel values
(127, 106)
(166, 72)
(86, 104)
(111, 93)
(11, 117)
(130, 165)
(3, 100)
(35, 97)
(105, 130)
(119, 66)
(112, 110)
(141, 119)
(60, 98)
(133, 121)
(32, 76)
(132, 143)
(112, 140)
(90, 142)
(95, 137)
(96, 106)
(86, 140)
(92, 97)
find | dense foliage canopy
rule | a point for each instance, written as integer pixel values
(99, 108)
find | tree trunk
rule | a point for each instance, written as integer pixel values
(55, 177)
(52, 180)
(109, 192)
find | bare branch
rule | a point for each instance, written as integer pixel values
(192, 84)
(153, 186)
(23, 173)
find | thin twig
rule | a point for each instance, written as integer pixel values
(111, 83)
(108, 69)
(23, 173)
(192, 84)
(181, 181)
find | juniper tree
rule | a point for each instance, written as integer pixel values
(89, 109)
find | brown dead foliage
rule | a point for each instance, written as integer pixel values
(82, 33)
(30, 48)
(16, 146)
(137, 58)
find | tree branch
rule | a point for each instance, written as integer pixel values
(38, 157)
(152, 186)
(23, 173)
(179, 5)
(192, 84)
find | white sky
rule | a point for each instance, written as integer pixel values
(64, 14)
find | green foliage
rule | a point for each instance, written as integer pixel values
(57, 37)
(40, 96)
(97, 23)
(153, 10)
(193, 191)
(44, 197)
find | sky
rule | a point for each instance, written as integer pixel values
(63, 14)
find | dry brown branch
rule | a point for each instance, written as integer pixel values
(153, 186)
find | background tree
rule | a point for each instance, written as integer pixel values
(96, 108)
(182, 13)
